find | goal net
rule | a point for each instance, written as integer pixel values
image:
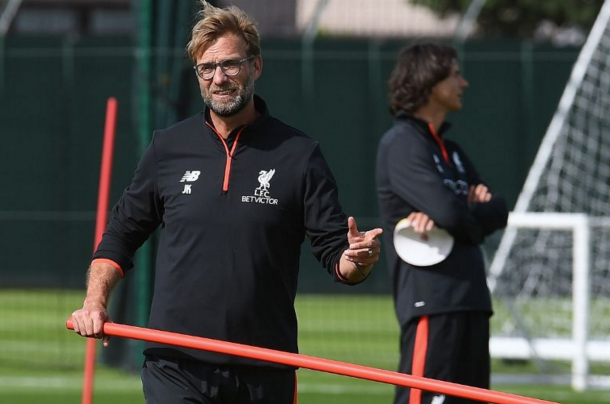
(551, 271)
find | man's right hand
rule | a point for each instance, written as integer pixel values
(89, 321)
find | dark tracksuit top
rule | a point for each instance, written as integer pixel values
(232, 228)
(413, 176)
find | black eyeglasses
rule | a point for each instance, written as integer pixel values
(229, 67)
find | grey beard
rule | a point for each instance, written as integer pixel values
(226, 109)
(233, 107)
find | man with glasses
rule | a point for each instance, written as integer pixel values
(236, 191)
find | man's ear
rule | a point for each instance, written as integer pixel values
(258, 66)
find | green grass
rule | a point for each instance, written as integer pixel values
(41, 362)
(352, 328)
(33, 331)
(535, 315)
(116, 387)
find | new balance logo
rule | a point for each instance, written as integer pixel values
(190, 176)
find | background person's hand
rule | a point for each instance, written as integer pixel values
(478, 193)
(420, 222)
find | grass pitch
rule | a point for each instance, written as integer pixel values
(41, 362)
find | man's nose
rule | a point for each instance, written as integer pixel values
(219, 75)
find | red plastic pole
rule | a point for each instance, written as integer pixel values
(310, 362)
(100, 225)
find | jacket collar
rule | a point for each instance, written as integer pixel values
(420, 123)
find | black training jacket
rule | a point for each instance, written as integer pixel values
(233, 215)
(413, 176)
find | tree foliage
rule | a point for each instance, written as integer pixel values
(520, 18)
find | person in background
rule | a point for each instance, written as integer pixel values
(443, 309)
(236, 191)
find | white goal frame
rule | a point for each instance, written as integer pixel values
(579, 349)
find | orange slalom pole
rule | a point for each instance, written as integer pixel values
(106, 170)
(313, 363)
(100, 225)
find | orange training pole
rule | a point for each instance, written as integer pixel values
(100, 225)
(309, 362)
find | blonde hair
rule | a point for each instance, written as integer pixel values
(215, 22)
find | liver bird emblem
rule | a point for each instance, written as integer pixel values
(264, 177)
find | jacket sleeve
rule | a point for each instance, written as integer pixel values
(135, 216)
(324, 220)
(492, 215)
(415, 178)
